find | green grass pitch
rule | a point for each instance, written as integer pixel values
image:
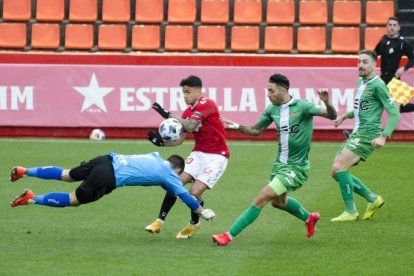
(108, 238)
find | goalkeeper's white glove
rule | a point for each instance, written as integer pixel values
(208, 214)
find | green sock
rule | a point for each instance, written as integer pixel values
(295, 208)
(362, 190)
(244, 220)
(347, 190)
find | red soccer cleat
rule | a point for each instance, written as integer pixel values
(311, 224)
(17, 173)
(25, 198)
(222, 239)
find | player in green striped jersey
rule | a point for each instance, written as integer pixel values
(294, 123)
(371, 100)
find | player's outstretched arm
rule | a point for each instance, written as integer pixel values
(248, 130)
(329, 112)
(194, 205)
(188, 125)
(339, 120)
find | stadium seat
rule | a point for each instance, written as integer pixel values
(372, 36)
(311, 39)
(116, 10)
(17, 10)
(346, 13)
(149, 11)
(245, 38)
(50, 10)
(13, 35)
(211, 38)
(178, 38)
(350, 44)
(79, 36)
(280, 12)
(83, 10)
(146, 37)
(313, 12)
(181, 11)
(247, 11)
(214, 11)
(45, 36)
(112, 37)
(378, 12)
(278, 39)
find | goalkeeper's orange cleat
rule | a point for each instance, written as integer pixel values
(311, 224)
(155, 227)
(188, 231)
(222, 239)
(17, 173)
(25, 198)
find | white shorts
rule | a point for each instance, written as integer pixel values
(205, 167)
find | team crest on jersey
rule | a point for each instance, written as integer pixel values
(367, 91)
(293, 114)
(197, 114)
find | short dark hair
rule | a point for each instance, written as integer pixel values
(177, 162)
(192, 81)
(370, 53)
(280, 80)
(394, 18)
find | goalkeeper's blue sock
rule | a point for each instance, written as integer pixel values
(48, 172)
(53, 199)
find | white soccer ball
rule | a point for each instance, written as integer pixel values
(170, 130)
(97, 135)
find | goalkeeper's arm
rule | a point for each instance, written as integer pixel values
(195, 206)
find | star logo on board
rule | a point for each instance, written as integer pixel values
(93, 94)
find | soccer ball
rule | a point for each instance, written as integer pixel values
(170, 130)
(97, 135)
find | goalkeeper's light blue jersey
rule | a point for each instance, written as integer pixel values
(149, 170)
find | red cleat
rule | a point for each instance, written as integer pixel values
(25, 198)
(311, 224)
(222, 239)
(17, 173)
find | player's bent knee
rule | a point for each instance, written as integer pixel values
(277, 204)
(336, 167)
(66, 176)
(73, 200)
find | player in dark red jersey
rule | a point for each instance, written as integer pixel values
(208, 159)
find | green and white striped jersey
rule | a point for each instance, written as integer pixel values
(369, 103)
(294, 123)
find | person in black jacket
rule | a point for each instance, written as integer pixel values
(392, 47)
